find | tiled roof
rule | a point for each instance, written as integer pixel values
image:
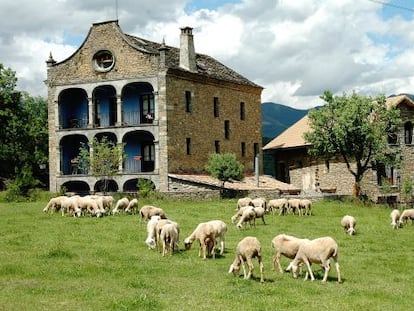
(206, 65)
(292, 137)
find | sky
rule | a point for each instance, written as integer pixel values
(295, 50)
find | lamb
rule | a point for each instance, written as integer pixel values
(278, 204)
(132, 206)
(151, 231)
(214, 229)
(349, 223)
(244, 202)
(306, 207)
(169, 236)
(285, 245)
(405, 215)
(247, 249)
(395, 219)
(121, 204)
(148, 210)
(316, 251)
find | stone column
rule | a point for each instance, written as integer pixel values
(91, 118)
(119, 120)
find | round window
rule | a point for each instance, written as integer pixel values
(103, 61)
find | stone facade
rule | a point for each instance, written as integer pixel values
(134, 91)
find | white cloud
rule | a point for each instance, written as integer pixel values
(294, 49)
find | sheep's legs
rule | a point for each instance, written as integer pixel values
(309, 271)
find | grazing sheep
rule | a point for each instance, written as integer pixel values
(151, 231)
(294, 206)
(248, 215)
(210, 246)
(247, 249)
(121, 204)
(349, 223)
(244, 202)
(169, 236)
(306, 207)
(108, 201)
(89, 205)
(161, 223)
(54, 204)
(70, 206)
(318, 251)
(132, 206)
(285, 245)
(260, 202)
(278, 204)
(260, 212)
(148, 210)
(395, 219)
(214, 229)
(405, 215)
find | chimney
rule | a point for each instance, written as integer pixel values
(187, 51)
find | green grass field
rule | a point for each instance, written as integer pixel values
(50, 262)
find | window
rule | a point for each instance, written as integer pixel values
(188, 107)
(103, 61)
(147, 110)
(227, 129)
(149, 152)
(242, 111)
(408, 133)
(216, 107)
(255, 148)
(387, 174)
(188, 145)
(392, 138)
(217, 146)
(243, 149)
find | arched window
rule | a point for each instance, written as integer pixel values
(408, 133)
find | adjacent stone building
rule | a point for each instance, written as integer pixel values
(171, 107)
(294, 165)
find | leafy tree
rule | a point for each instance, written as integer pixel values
(23, 134)
(103, 162)
(355, 128)
(225, 167)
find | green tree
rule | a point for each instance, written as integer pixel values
(23, 134)
(224, 167)
(355, 128)
(103, 162)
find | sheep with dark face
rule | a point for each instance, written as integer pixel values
(318, 251)
(247, 249)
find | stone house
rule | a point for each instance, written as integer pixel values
(170, 107)
(294, 165)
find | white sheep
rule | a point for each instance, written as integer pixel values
(306, 207)
(405, 215)
(121, 204)
(278, 204)
(395, 219)
(260, 202)
(214, 229)
(285, 245)
(147, 211)
(348, 223)
(161, 223)
(318, 251)
(244, 202)
(54, 204)
(132, 206)
(151, 231)
(169, 236)
(248, 216)
(294, 206)
(90, 205)
(247, 249)
(70, 206)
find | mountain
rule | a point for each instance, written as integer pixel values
(276, 118)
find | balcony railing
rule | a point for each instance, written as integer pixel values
(132, 166)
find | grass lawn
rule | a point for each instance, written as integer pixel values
(50, 262)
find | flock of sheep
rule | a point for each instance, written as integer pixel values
(163, 234)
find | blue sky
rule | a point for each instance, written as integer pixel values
(294, 49)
